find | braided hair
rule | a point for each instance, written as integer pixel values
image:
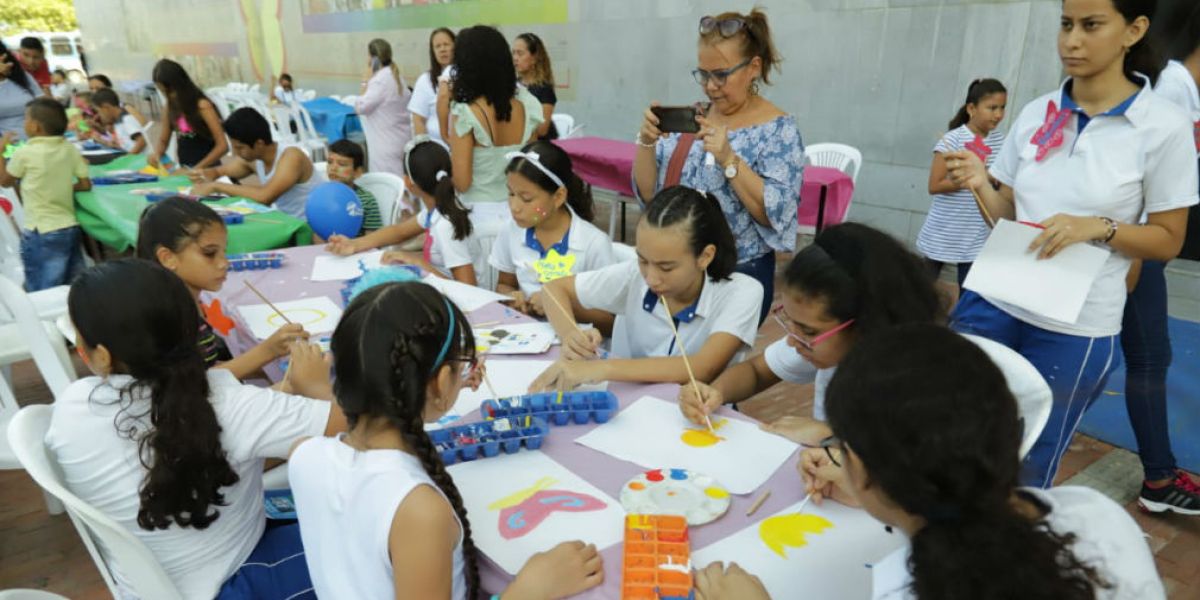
(391, 341)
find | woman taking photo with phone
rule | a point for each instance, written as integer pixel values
(747, 152)
(383, 107)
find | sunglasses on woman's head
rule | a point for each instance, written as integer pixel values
(808, 344)
(726, 27)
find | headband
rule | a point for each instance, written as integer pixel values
(417, 141)
(535, 159)
(449, 336)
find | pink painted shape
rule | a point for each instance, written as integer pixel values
(980, 148)
(1050, 135)
(516, 521)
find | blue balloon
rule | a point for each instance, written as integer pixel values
(334, 208)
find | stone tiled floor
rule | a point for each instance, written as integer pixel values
(43, 552)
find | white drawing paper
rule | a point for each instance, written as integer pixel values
(468, 298)
(317, 315)
(653, 433)
(509, 378)
(329, 267)
(1055, 288)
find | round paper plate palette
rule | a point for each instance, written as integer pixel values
(698, 498)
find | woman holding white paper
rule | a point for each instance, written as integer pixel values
(1101, 151)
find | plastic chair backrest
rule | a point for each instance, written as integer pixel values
(565, 124)
(837, 156)
(46, 356)
(30, 595)
(1034, 398)
(107, 541)
(10, 248)
(387, 189)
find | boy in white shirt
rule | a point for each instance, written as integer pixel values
(124, 131)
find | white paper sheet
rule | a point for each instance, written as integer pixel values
(654, 434)
(329, 267)
(1055, 288)
(468, 297)
(510, 378)
(507, 497)
(516, 338)
(318, 315)
(825, 551)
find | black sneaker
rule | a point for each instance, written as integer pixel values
(1182, 496)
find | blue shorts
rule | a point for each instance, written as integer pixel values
(274, 571)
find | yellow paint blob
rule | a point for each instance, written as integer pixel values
(716, 492)
(789, 531)
(635, 485)
(302, 316)
(522, 495)
(700, 438)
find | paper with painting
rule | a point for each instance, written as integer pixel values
(328, 267)
(654, 434)
(316, 315)
(825, 551)
(524, 503)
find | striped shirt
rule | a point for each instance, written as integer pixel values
(372, 220)
(954, 231)
(212, 347)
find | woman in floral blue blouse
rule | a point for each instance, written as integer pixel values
(757, 156)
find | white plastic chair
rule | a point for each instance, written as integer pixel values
(387, 189)
(624, 252)
(1034, 398)
(111, 545)
(844, 158)
(565, 124)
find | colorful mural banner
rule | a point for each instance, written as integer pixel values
(324, 16)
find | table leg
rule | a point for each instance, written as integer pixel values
(821, 209)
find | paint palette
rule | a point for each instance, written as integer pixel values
(695, 497)
(556, 408)
(657, 562)
(120, 177)
(487, 439)
(256, 261)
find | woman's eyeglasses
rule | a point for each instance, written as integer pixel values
(807, 343)
(718, 76)
(726, 27)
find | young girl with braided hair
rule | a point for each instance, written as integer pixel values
(401, 353)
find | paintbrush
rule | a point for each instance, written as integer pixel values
(264, 299)
(686, 363)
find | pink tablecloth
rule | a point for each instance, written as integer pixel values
(840, 189)
(601, 470)
(604, 163)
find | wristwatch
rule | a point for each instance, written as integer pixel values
(731, 169)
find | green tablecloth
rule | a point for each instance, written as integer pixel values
(110, 213)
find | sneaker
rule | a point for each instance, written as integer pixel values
(1182, 496)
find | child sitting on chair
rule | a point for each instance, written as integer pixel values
(346, 164)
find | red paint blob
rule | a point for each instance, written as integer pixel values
(655, 475)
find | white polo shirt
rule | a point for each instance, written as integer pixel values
(642, 328)
(101, 466)
(517, 250)
(445, 252)
(1106, 538)
(128, 130)
(1176, 84)
(1137, 157)
(1023, 380)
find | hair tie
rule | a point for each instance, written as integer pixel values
(449, 336)
(441, 174)
(535, 159)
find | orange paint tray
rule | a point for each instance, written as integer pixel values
(653, 542)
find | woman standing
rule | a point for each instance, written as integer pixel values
(191, 116)
(532, 63)
(1123, 151)
(383, 106)
(17, 88)
(423, 105)
(750, 155)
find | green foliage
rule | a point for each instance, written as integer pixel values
(17, 16)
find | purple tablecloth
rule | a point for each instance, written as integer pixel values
(604, 163)
(605, 472)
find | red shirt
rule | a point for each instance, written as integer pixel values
(41, 75)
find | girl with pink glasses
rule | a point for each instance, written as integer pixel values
(850, 281)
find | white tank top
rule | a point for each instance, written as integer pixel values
(292, 201)
(345, 501)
